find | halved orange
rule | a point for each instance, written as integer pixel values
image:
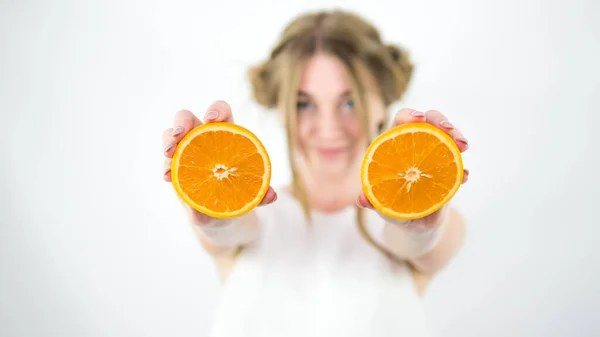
(411, 171)
(221, 170)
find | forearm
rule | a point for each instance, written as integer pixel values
(223, 236)
(427, 246)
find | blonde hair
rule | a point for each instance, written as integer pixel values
(358, 45)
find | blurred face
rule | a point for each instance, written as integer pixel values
(330, 131)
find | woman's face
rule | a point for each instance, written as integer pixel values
(330, 132)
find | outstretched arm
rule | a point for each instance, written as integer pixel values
(428, 247)
(428, 243)
(219, 237)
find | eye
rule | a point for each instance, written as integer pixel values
(348, 104)
(303, 105)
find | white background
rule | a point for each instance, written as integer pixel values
(93, 243)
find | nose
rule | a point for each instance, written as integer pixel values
(329, 125)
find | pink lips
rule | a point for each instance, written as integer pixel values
(330, 152)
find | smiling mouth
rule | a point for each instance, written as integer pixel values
(330, 152)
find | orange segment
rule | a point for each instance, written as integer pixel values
(411, 171)
(221, 170)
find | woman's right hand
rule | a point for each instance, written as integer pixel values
(185, 121)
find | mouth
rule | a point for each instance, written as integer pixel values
(330, 152)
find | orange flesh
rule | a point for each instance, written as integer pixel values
(412, 174)
(222, 173)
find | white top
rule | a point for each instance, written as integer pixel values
(322, 279)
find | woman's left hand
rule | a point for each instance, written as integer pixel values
(440, 121)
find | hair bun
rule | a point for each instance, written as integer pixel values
(404, 69)
(395, 52)
(257, 76)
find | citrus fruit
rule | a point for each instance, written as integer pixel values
(221, 170)
(411, 171)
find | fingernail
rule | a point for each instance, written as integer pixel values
(270, 202)
(463, 140)
(358, 203)
(211, 115)
(465, 176)
(178, 130)
(168, 147)
(446, 124)
(417, 113)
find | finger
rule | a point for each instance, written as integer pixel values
(269, 198)
(167, 170)
(408, 116)
(363, 202)
(168, 145)
(219, 111)
(183, 122)
(438, 119)
(465, 176)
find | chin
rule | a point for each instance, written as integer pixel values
(333, 168)
(332, 172)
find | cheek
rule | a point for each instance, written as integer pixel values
(304, 130)
(353, 128)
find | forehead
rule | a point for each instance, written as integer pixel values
(324, 75)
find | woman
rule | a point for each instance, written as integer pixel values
(315, 259)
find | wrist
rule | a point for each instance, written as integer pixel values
(433, 222)
(412, 238)
(225, 232)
